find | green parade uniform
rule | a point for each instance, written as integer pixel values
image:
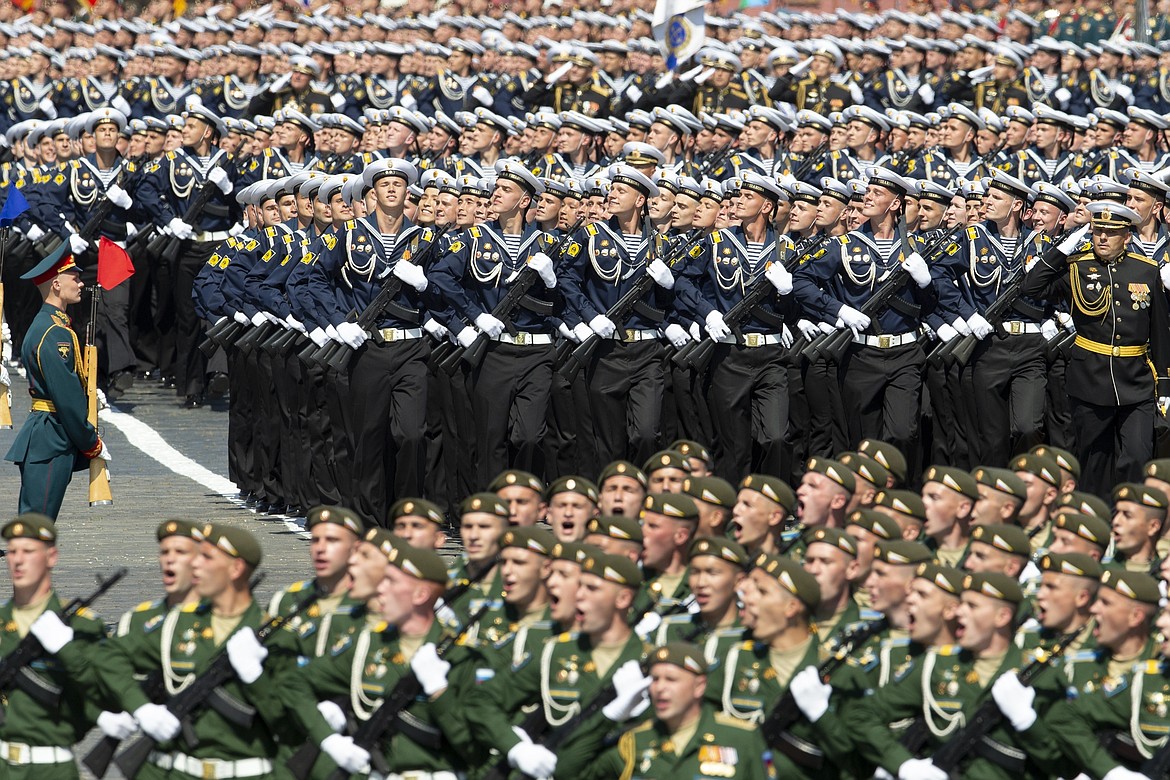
(657, 594)
(517, 647)
(56, 438)
(716, 641)
(317, 628)
(36, 732)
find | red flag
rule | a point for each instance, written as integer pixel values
(114, 266)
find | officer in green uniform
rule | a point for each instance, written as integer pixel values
(178, 544)
(482, 520)
(668, 526)
(524, 564)
(715, 573)
(234, 731)
(764, 508)
(432, 734)
(56, 439)
(686, 737)
(53, 702)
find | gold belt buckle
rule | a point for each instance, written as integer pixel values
(14, 753)
(752, 339)
(630, 333)
(1117, 352)
(1016, 327)
(390, 334)
(884, 342)
(208, 770)
(521, 338)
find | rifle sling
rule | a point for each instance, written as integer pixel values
(903, 306)
(1005, 756)
(771, 319)
(803, 753)
(38, 688)
(649, 312)
(215, 210)
(426, 735)
(1121, 746)
(1028, 310)
(537, 306)
(230, 708)
(402, 312)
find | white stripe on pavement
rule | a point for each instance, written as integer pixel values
(151, 443)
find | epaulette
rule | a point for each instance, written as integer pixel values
(566, 637)
(844, 239)
(298, 586)
(723, 719)
(329, 239)
(381, 626)
(251, 244)
(270, 232)
(550, 158)
(735, 160)
(146, 605)
(676, 620)
(350, 224)
(1153, 666)
(1143, 258)
(870, 614)
(948, 650)
(591, 229)
(475, 231)
(455, 246)
(170, 155)
(716, 236)
(972, 232)
(189, 607)
(75, 164)
(87, 613)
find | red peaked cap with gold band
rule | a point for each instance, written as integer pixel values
(57, 262)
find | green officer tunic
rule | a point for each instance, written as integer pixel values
(490, 589)
(716, 641)
(56, 438)
(65, 704)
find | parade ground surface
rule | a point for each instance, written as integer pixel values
(168, 462)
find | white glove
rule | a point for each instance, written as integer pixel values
(120, 103)
(345, 753)
(77, 244)
(961, 327)
(810, 693)
(246, 655)
(648, 624)
(411, 274)
(786, 339)
(582, 331)
(558, 74)
(430, 670)
(5, 379)
(634, 93)
(1164, 272)
(800, 67)
(157, 722)
(131, 230)
(218, 176)
(338, 101)
(567, 332)
(980, 327)
(695, 331)
(1121, 773)
(660, 274)
(677, 335)
(48, 108)
(716, 326)
(603, 326)
(852, 318)
(332, 714)
(1125, 93)
(1014, 700)
(532, 760)
(926, 92)
(945, 333)
(826, 328)
(406, 100)
(51, 632)
(1066, 321)
(489, 325)
(1063, 95)
(808, 329)
(915, 265)
(352, 334)
(631, 686)
(280, 83)
(1073, 242)
(105, 453)
(259, 319)
(180, 229)
(778, 275)
(318, 337)
(35, 233)
(466, 337)
(119, 197)
(241, 318)
(237, 229)
(690, 74)
(119, 725)
(436, 329)
(481, 94)
(664, 79)
(1048, 330)
(881, 774)
(543, 265)
(295, 324)
(979, 75)
(920, 769)
(333, 335)
(702, 77)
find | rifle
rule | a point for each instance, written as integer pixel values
(5, 398)
(620, 312)
(517, 294)
(784, 713)
(225, 331)
(833, 345)
(335, 355)
(806, 165)
(30, 649)
(168, 246)
(383, 723)
(183, 704)
(99, 475)
(102, 210)
(98, 759)
(988, 716)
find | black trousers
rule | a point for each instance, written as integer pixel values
(625, 398)
(950, 436)
(747, 392)
(510, 397)
(570, 431)
(1008, 379)
(881, 390)
(241, 446)
(190, 364)
(826, 424)
(1113, 443)
(1058, 411)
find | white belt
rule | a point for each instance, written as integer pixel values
(886, 342)
(751, 340)
(630, 335)
(414, 776)
(19, 753)
(1016, 328)
(211, 768)
(400, 334)
(219, 235)
(524, 339)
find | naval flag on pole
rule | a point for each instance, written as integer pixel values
(679, 28)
